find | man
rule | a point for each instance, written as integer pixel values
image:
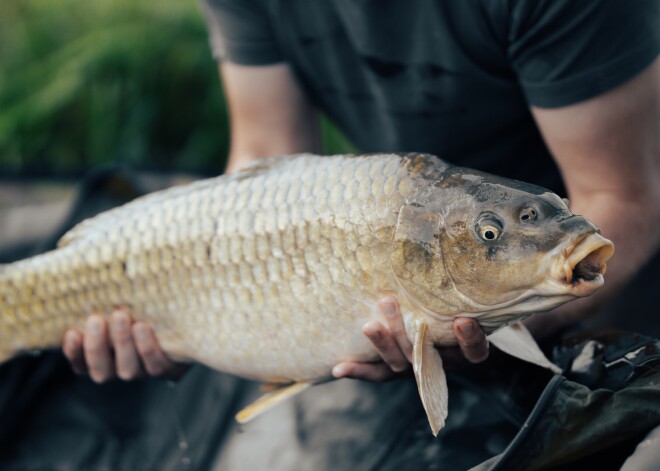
(562, 94)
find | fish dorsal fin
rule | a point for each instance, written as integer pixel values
(82, 230)
(276, 396)
(518, 342)
(430, 376)
(264, 165)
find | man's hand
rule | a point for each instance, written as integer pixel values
(120, 348)
(395, 349)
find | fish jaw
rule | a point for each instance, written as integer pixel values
(575, 268)
(582, 263)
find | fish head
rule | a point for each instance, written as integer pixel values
(474, 243)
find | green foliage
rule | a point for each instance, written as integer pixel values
(88, 82)
(334, 141)
(83, 83)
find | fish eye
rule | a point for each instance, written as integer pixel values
(489, 227)
(490, 232)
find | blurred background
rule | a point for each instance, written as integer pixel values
(104, 83)
(85, 83)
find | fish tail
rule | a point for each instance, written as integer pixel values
(21, 324)
(5, 331)
(36, 303)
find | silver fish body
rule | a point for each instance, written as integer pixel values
(269, 276)
(270, 273)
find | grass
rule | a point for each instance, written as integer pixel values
(85, 83)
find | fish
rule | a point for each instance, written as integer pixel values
(270, 273)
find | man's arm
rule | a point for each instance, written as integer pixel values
(608, 150)
(270, 115)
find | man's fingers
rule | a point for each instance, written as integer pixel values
(390, 309)
(96, 345)
(73, 350)
(127, 362)
(153, 358)
(471, 340)
(376, 372)
(387, 346)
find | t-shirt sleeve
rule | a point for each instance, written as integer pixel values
(567, 51)
(241, 31)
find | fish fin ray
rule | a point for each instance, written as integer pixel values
(431, 378)
(518, 342)
(262, 165)
(272, 387)
(270, 400)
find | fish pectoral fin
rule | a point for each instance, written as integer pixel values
(276, 396)
(518, 342)
(431, 379)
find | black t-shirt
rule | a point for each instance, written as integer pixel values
(451, 77)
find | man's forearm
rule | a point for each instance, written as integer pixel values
(270, 114)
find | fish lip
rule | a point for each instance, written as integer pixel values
(585, 263)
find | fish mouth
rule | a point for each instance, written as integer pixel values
(586, 263)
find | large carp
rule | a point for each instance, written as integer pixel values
(270, 273)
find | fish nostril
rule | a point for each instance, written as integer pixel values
(528, 214)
